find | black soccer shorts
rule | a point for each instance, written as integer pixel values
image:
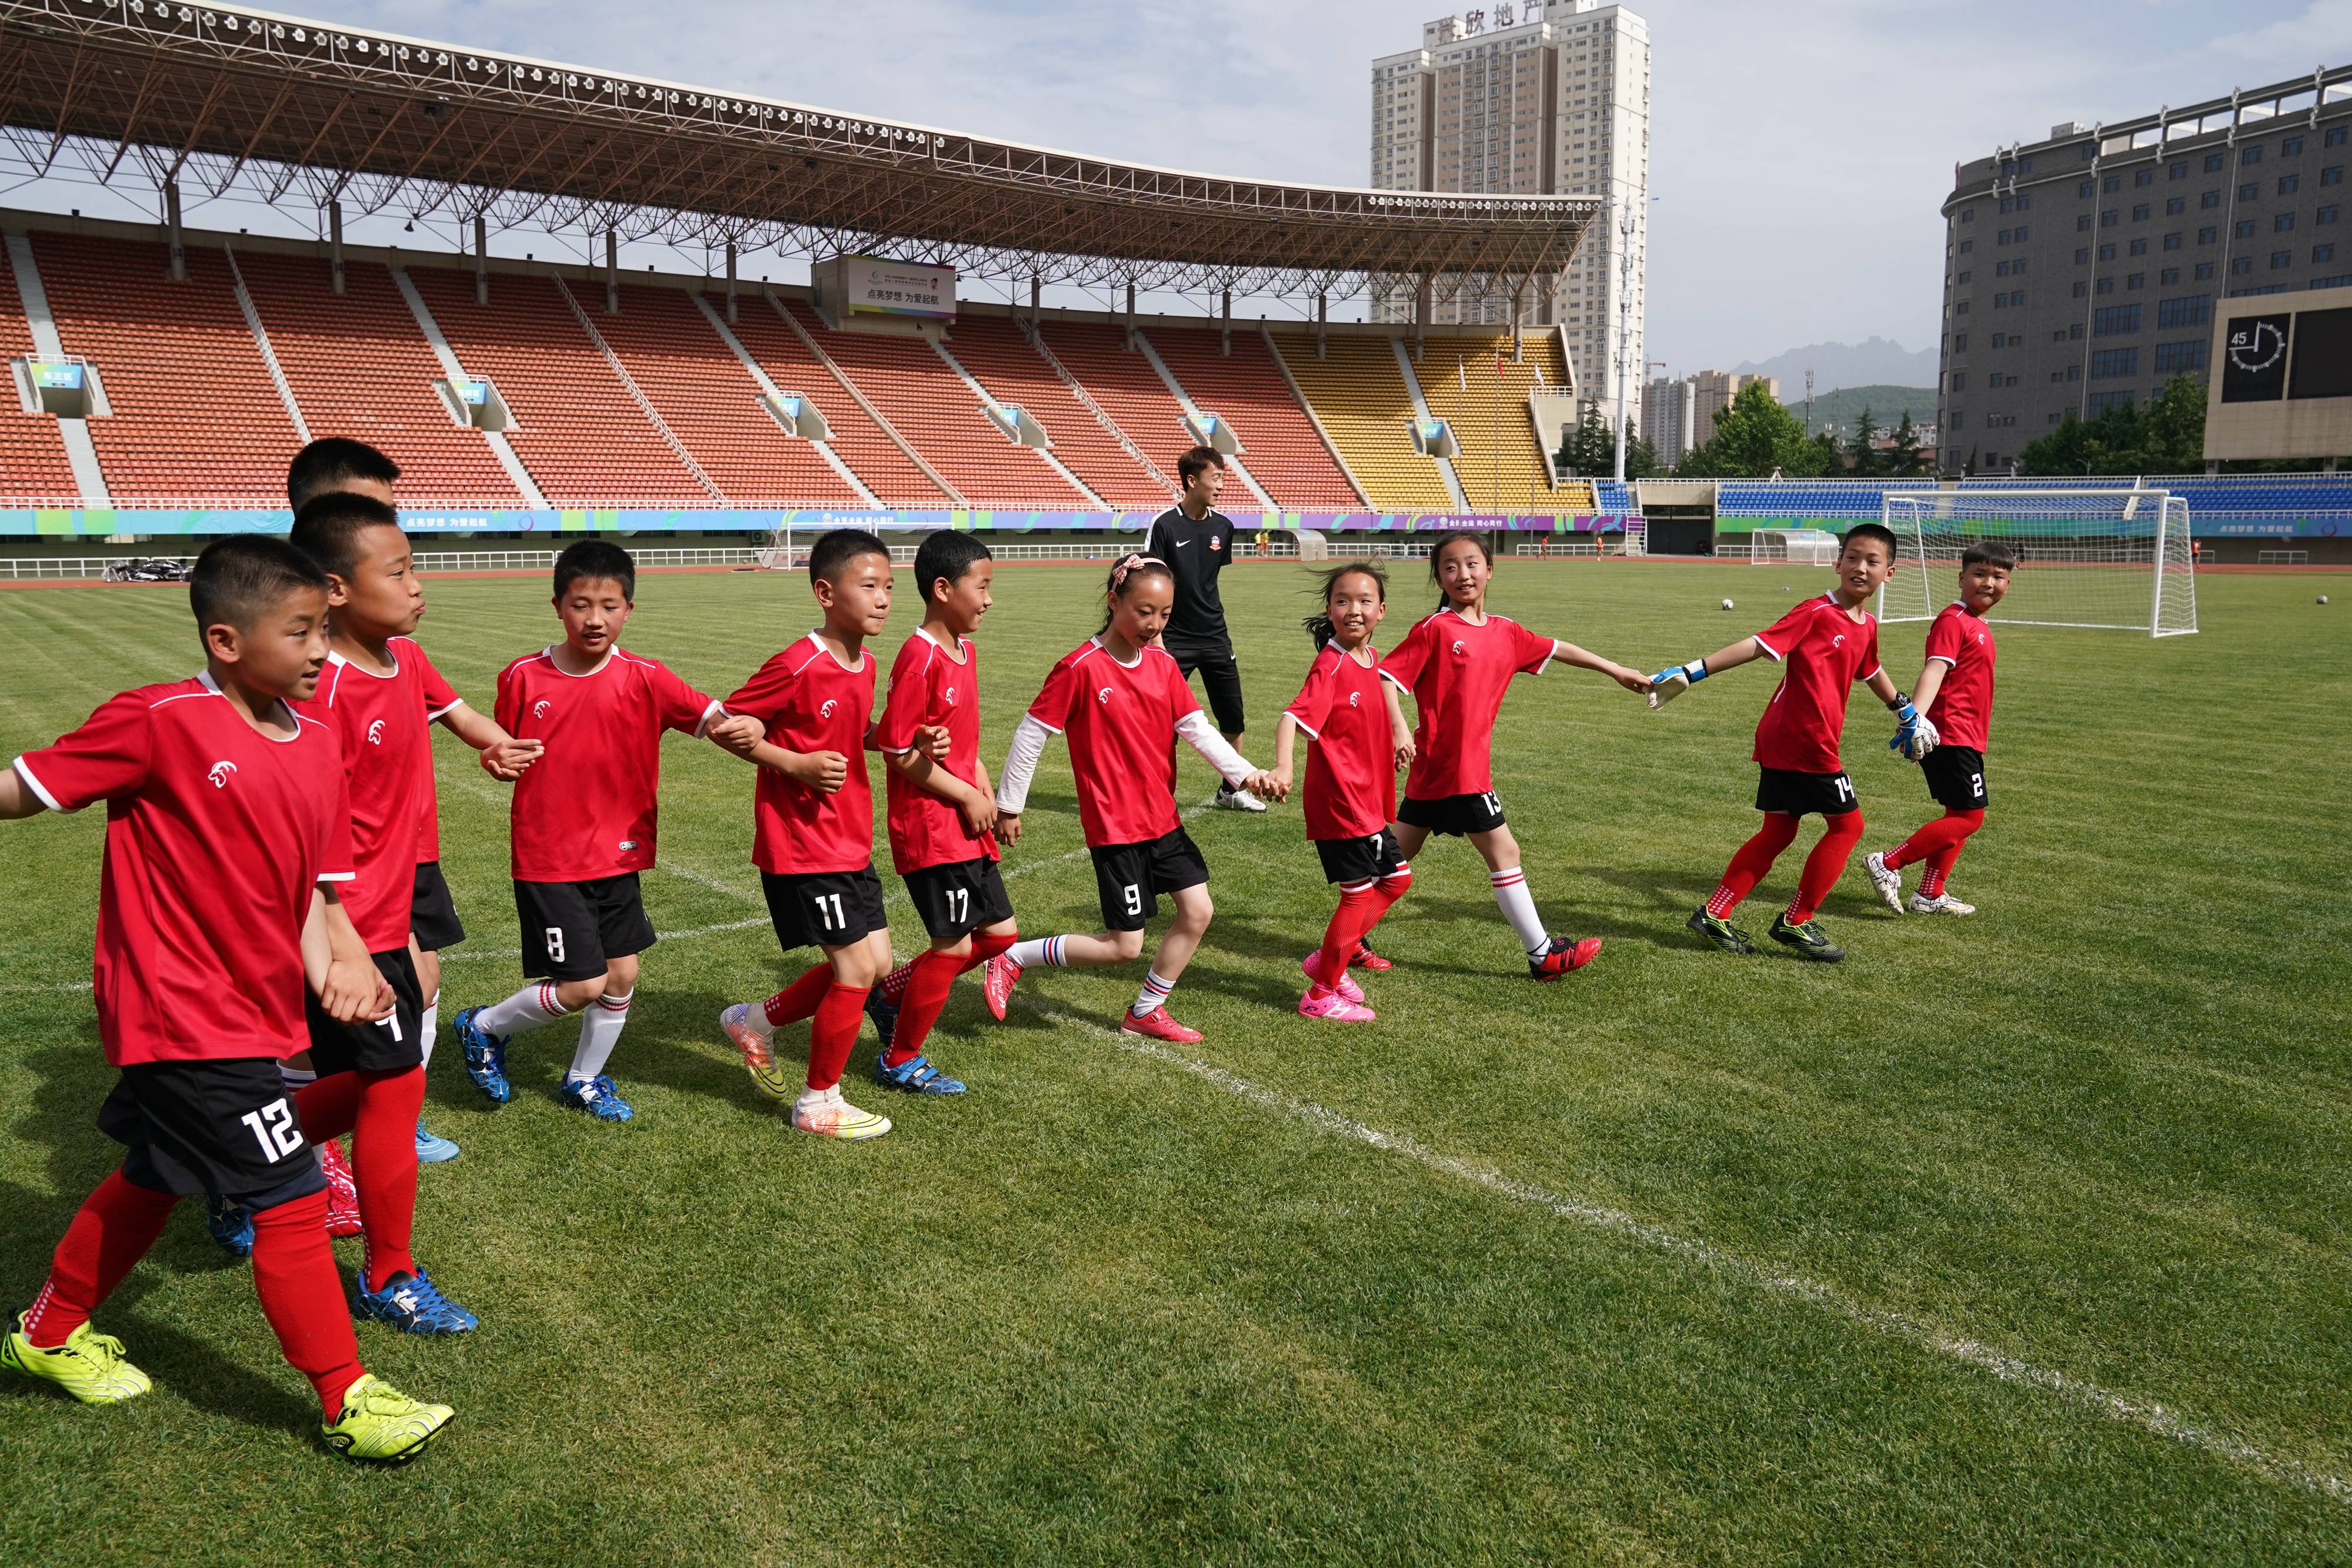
(1221, 680)
(1132, 877)
(1801, 794)
(1354, 861)
(958, 897)
(224, 1128)
(388, 1045)
(433, 919)
(823, 908)
(1956, 777)
(574, 930)
(1453, 815)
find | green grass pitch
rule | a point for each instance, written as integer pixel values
(2014, 1238)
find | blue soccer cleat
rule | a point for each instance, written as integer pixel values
(411, 1303)
(595, 1096)
(915, 1075)
(885, 1014)
(486, 1058)
(231, 1224)
(431, 1150)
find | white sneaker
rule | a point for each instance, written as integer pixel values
(1889, 883)
(828, 1115)
(1942, 903)
(1238, 801)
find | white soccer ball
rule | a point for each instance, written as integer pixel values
(2323, 598)
(1727, 603)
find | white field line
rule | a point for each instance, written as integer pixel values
(2147, 1415)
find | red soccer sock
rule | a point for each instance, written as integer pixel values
(984, 948)
(329, 1107)
(1944, 832)
(111, 1233)
(799, 999)
(1824, 866)
(1754, 860)
(834, 1032)
(383, 1165)
(1358, 908)
(927, 993)
(1939, 866)
(302, 1295)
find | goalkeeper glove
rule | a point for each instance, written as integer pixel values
(1925, 739)
(1907, 727)
(1673, 681)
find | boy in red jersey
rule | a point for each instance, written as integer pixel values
(1823, 645)
(812, 832)
(228, 822)
(1955, 690)
(583, 820)
(1350, 782)
(942, 815)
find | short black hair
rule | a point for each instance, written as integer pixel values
(236, 581)
(328, 528)
(946, 554)
(1192, 462)
(1989, 552)
(837, 547)
(1878, 532)
(332, 462)
(599, 560)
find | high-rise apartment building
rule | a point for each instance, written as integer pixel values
(2082, 269)
(1712, 393)
(1669, 417)
(1531, 99)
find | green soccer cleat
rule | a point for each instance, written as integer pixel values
(1806, 939)
(1721, 932)
(89, 1365)
(381, 1423)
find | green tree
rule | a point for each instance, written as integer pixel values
(2166, 437)
(1640, 458)
(1593, 450)
(1904, 461)
(1756, 436)
(1866, 465)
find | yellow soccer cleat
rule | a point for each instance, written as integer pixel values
(380, 1422)
(89, 1365)
(746, 1028)
(833, 1117)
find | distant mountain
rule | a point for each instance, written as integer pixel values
(1842, 408)
(1876, 363)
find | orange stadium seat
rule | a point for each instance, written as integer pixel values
(1500, 468)
(360, 367)
(916, 391)
(584, 440)
(33, 462)
(1280, 446)
(1001, 359)
(1123, 382)
(866, 446)
(1360, 396)
(196, 417)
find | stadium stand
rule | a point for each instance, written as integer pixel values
(878, 461)
(1475, 386)
(1000, 356)
(360, 367)
(712, 403)
(584, 440)
(1860, 500)
(195, 413)
(1613, 499)
(1123, 383)
(1245, 388)
(32, 458)
(907, 381)
(1360, 397)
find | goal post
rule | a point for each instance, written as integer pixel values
(2117, 557)
(1797, 546)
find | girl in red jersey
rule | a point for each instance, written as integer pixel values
(1123, 703)
(1458, 662)
(1350, 782)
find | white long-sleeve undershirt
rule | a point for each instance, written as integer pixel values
(1029, 745)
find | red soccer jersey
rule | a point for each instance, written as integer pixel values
(440, 696)
(1963, 711)
(1457, 673)
(1822, 651)
(931, 684)
(388, 769)
(811, 701)
(586, 808)
(216, 835)
(1121, 724)
(1352, 768)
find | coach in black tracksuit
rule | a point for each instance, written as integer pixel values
(1196, 541)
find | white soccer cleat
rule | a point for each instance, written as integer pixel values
(1889, 883)
(1238, 801)
(831, 1116)
(1942, 903)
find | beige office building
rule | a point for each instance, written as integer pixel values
(1711, 393)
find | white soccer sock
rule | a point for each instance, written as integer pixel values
(527, 1010)
(1045, 950)
(431, 1027)
(600, 1031)
(1155, 991)
(1518, 907)
(296, 1079)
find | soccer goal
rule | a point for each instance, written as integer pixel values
(2117, 557)
(1797, 547)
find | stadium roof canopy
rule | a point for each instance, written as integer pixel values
(216, 97)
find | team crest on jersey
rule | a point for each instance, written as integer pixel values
(628, 844)
(950, 694)
(1355, 699)
(1460, 647)
(1103, 697)
(830, 704)
(1838, 641)
(375, 732)
(541, 708)
(1213, 540)
(221, 773)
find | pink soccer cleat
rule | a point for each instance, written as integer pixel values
(342, 1190)
(1311, 967)
(997, 978)
(1157, 1025)
(1333, 1005)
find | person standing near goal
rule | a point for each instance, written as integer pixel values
(1196, 541)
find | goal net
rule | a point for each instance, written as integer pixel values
(2114, 558)
(1798, 547)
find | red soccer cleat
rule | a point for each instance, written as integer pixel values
(342, 1191)
(1565, 956)
(1157, 1025)
(997, 977)
(1366, 958)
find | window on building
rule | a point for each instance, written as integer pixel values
(2289, 184)
(2139, 247)
(1959, 343)
(2335, 137)
(2099, 403)
(2281, 260)
(2322, 253)
(2250, 191)
(2291, 147)
(2189, 310)
(2173, 358)
(2083, 256)
(2181, 170)
(1964, 277)
(2334, 176)
(1961, 308)
(2175, 206)
(2209, 199)
(2087, 188)
(2245, 229)
(1959, 382)
(2107, 364)
(2107, 252)
(2107, 219)
(2075, 333)
(2172, 242)
(2139, 212)
(2074, 372)
(2112, 184)
(1968, 215)
(2081, 288)
(2021, 230)
(2145, 177)
(2111, 321)
(2107, 285)
(2168, 277)
(2250, 156)
(2208, 235)
(2212, 162)
(2137, 280)
(2204, 272)
(2083, 222)
(2000, 269)
(2243, 265)
(1967, 246)
(2282, 222)
(2325, 215)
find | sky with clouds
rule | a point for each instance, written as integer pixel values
(1799, 153)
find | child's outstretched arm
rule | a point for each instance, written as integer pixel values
(1400, 732)
(1675, 679)
(1569, 654)
(17, 798)
(1286, 742)
(1019, 767)
(503, 757)
(1231, 764)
